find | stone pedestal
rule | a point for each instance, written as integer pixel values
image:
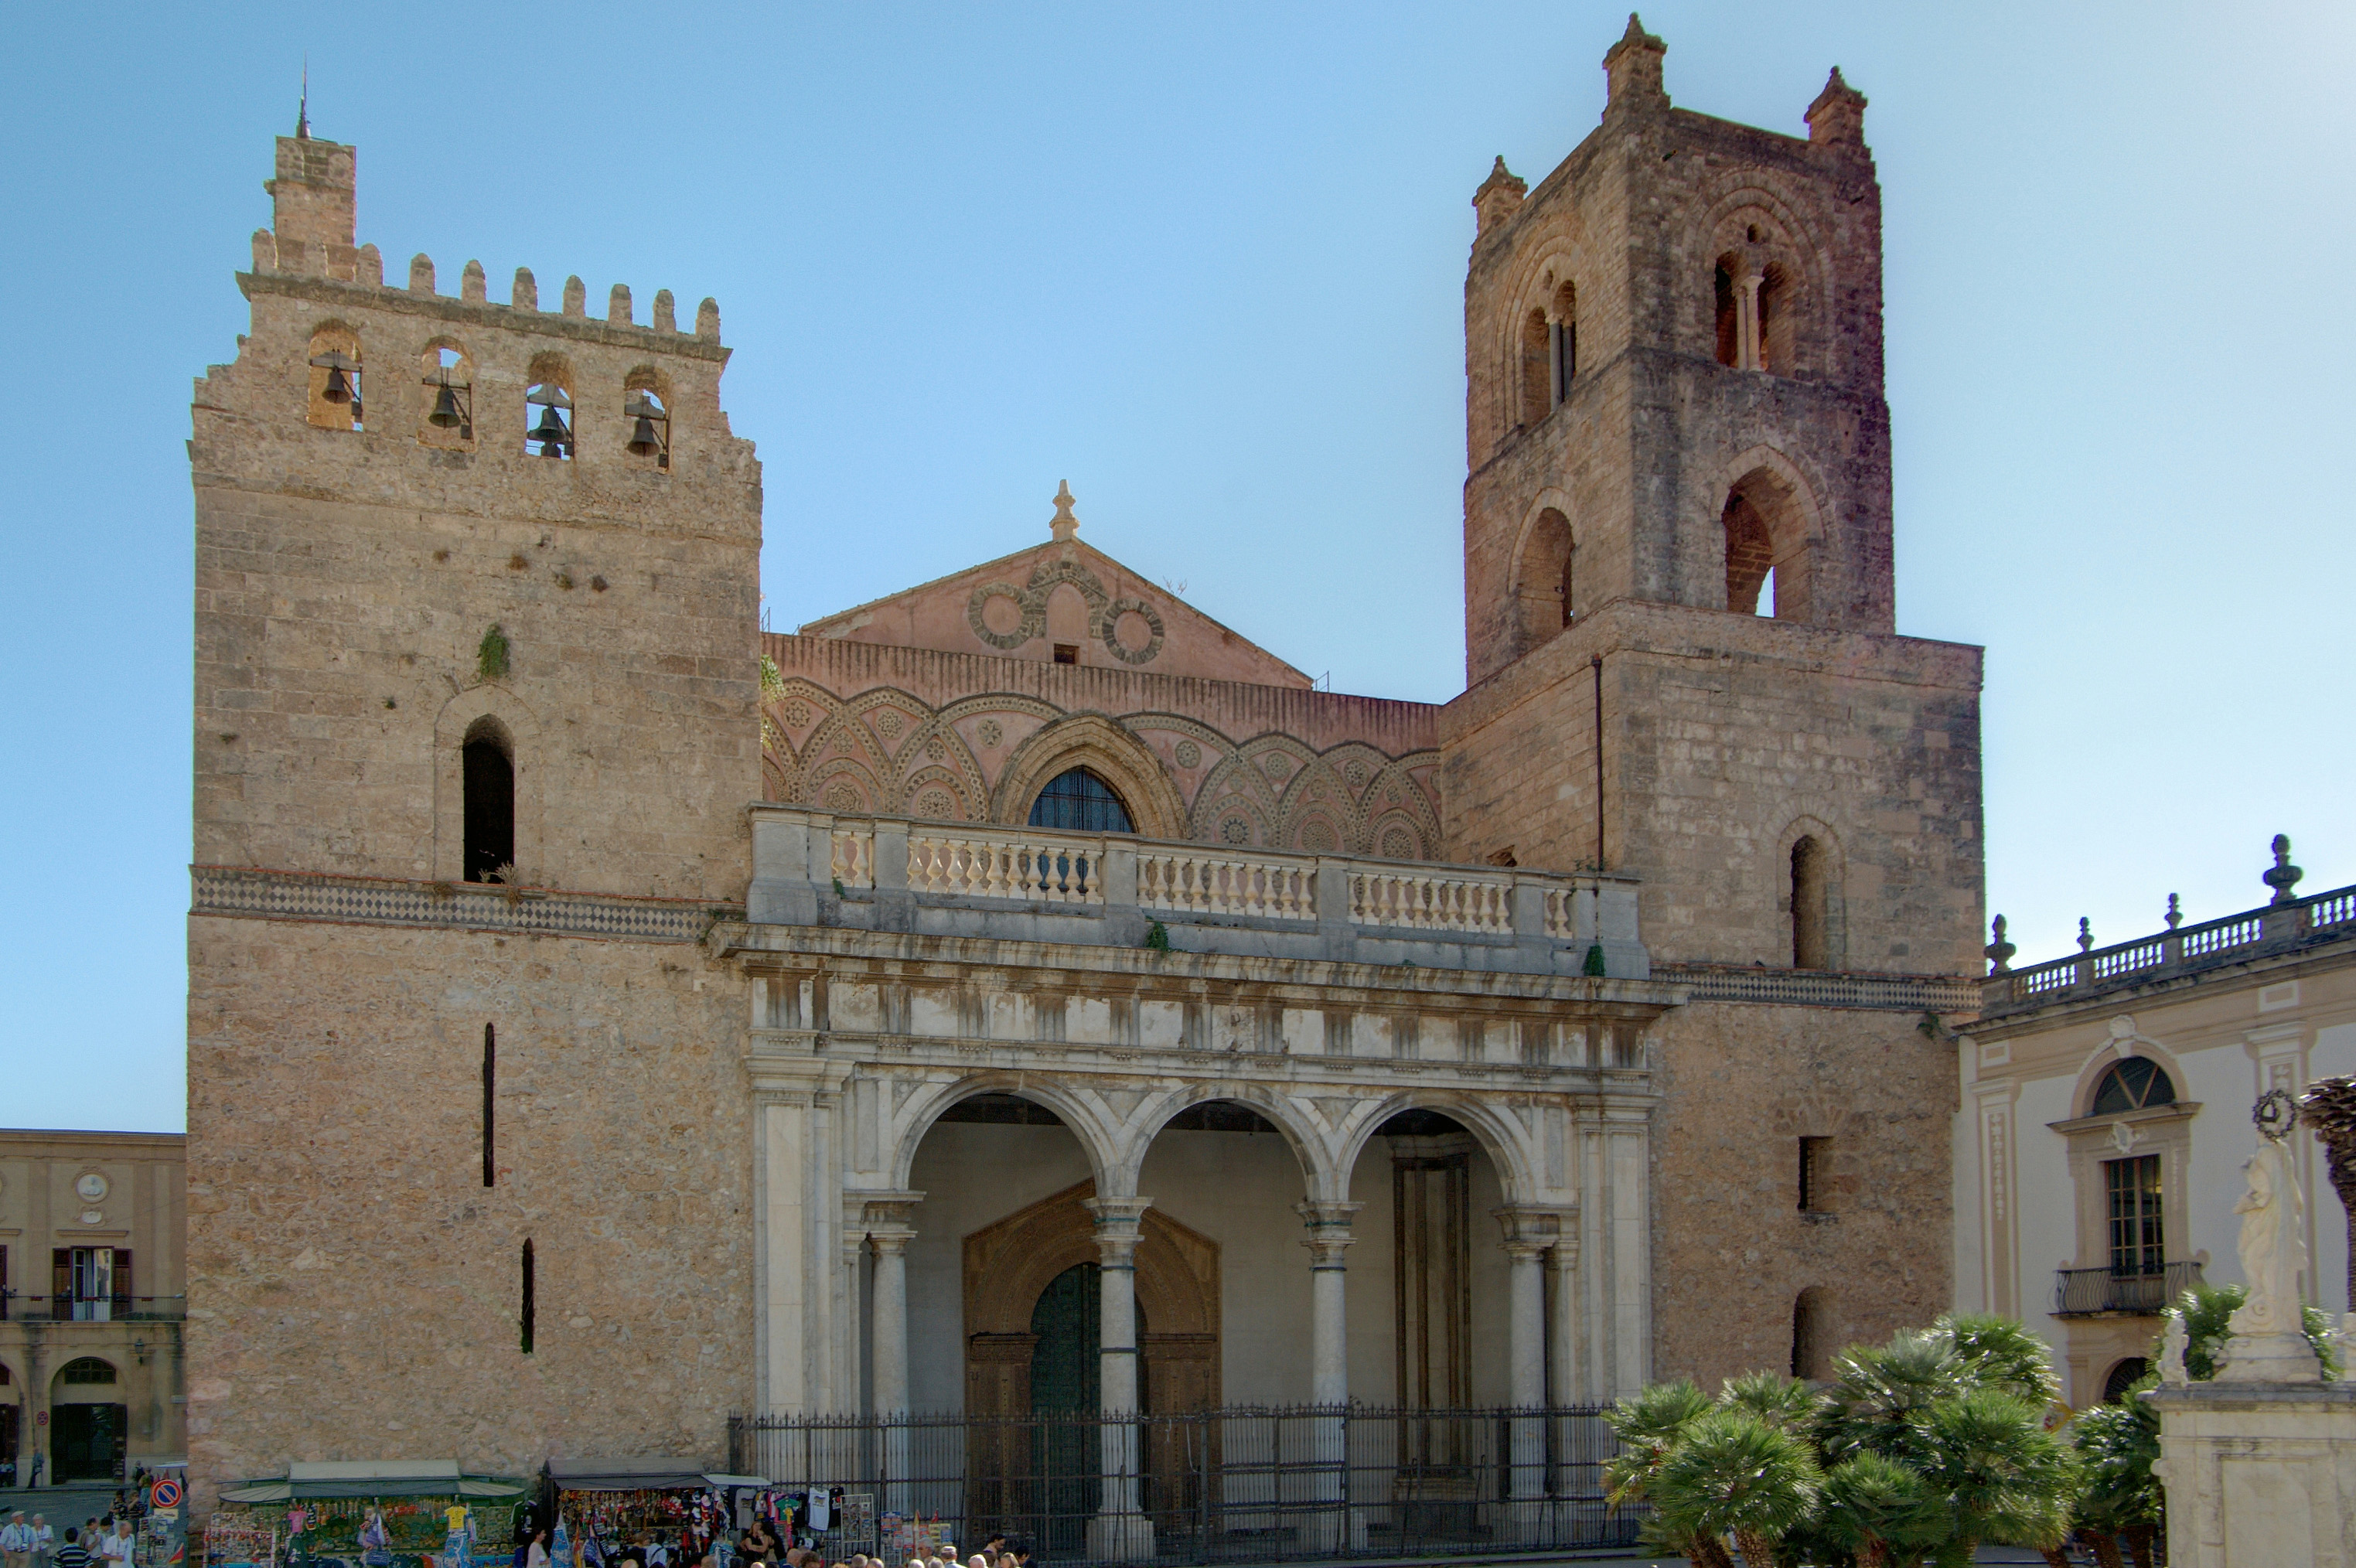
(2258, 1474)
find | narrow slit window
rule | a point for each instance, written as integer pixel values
(1814, 1153)
(526, 1315)
(490, 1085)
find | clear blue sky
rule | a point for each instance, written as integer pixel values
(1204, 262)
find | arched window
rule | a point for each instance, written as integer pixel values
(1749, 555)
(1774, 326)
(2131, 1086)
(488, 763)
(2123, 1376)
(1563, 342)
(1727, 292)
(335, 399)
(1537, 396)
(548, 408)
(645, 416)
(85, 1370)
(449, 404)
(1808, 905)
(1077, 801)
(1542, 579)
(1812, 1350)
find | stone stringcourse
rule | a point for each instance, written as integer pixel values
(374, 901)
(1795, 988)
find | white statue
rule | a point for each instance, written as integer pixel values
(2272, 1245)
(2267, 1343)
(2172, 1346)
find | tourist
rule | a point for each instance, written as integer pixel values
(72, 1554)
(44, 1540)
(16, 1541)
(535, 1551)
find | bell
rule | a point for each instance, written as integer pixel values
(338, 390)
(446, 410)
(642, 438)
(552, 434)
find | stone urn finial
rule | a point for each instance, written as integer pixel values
(2282, 876)
(2085, 935)
(1062, 525)
(1999, 952)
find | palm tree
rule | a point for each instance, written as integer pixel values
(2006, 1478)
(1732, 1473)
(1998, 1353)
(2330, 1107)
(2116, 1443)
(1875, 1507)
(1649, 1424)
(1879, 1392)
(1780, 1402)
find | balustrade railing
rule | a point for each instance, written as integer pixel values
(1274, 887)
(2234, 937)
(1019, 873)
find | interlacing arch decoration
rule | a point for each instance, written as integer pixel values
(1270, 791)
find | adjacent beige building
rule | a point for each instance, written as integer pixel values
(93, 1294)
(2105, 1111)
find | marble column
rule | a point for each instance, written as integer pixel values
(1120, 1531)
(889, 1232)
(1750, 352)
(1528, 1235)
(1328, 1363)
(1562, 1348)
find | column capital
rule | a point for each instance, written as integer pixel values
(891, 1241)
(1329, 1229)
(1120, 1225)
(886, 1211)
(1529, 1229)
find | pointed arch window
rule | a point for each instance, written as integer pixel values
(1077, 801)
(1809, 905)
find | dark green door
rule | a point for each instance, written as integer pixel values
(88, 1441)
(1067, 1454)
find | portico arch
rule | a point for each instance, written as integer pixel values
(1098, 1138)
(1500, 1139)
(1318, 1176)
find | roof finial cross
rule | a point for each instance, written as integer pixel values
(303, 111)
(1064, 526)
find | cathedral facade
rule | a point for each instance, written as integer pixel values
(606, 1016)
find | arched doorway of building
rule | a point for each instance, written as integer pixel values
(88, 1432)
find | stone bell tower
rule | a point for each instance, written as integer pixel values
(1673, 354)
(475, 680)
(1681, 640)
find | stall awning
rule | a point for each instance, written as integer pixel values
(374, 1478)
(725, 1482)
(627, 1475)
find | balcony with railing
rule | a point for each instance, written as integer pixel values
(974, 880)
(2276, 928)
(2087, 1292)
(16, 1306)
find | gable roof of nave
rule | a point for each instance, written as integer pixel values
(1065, 592)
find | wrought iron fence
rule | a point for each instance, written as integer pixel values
(1212, 1485)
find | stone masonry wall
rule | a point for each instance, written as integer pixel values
(354, 1288)
(1731, 1250)
(1725, 738)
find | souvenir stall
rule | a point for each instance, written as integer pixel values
(396, 1513)
(669, 1509)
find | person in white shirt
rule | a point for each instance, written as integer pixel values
(16, 1541)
